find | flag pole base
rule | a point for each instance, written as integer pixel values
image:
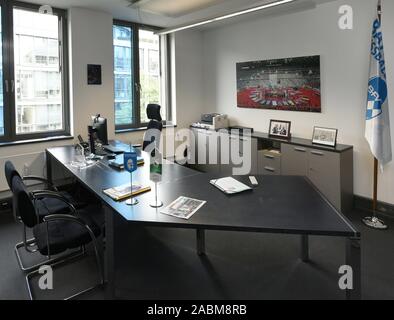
(375, 223)
(156, 204)
(132, 202)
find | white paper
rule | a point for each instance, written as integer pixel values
(230, 185)
(183, 207)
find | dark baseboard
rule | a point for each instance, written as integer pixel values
(365, 204)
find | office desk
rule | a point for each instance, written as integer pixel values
(279, 205)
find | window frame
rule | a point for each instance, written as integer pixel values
(10, 134)
(136, 83)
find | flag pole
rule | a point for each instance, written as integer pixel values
(373, 221)
(375, 186)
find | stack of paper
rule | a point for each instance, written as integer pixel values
(183, 207)
(229, 185)
(124, 192)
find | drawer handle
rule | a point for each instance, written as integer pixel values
(299, 149)
(269, 157)
(317, 153)
(269, 169)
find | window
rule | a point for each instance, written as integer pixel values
(1, 78)
(140, 66)
(150, 73)
(123, 66)
(36, 95)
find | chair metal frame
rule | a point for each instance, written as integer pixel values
(67, 258)
(30, 244)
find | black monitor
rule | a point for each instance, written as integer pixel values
(100, 126)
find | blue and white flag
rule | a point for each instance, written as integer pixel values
(377, 130)
(130, 161)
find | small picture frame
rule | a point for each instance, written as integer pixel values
(280, 129)
(94, 74)
(325, 136)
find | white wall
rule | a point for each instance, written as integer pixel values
(91, 43)
(344, 74)
(189, 77)
(90, 35)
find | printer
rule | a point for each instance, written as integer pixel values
(212, 121)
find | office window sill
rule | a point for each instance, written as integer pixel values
(142, 129)
(40, 140)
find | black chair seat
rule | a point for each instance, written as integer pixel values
(47, 206)
(64, 234)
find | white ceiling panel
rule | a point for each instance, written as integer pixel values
(177, 8)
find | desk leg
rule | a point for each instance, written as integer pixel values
(109, 255)
(200, 242)
(48, 162)
(305, 248)
(353, 259)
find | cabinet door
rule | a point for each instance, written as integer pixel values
(324, 172)
(294, 160)
(244, 150)
(226, 167)
(208, 151)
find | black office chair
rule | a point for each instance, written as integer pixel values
(45, 206)
(155, 126)
(57, 233)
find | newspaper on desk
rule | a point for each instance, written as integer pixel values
(183, 207)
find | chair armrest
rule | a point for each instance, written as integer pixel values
(51, 194)
(67, 217)
(41, 179)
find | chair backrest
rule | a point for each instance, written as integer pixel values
(24, 205)
(10, 173)
(153, 112)
(155, 126)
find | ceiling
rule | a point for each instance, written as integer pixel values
(170, 13)
(174, 8)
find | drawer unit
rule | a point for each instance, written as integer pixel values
(331, 172)
(269, 162)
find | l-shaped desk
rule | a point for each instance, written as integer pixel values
(278, 205)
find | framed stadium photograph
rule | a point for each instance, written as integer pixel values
(325, 136)
(280, 129)
(291, 84)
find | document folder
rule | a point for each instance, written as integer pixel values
(229, 185)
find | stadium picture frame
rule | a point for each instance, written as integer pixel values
(284, 84)
(280, 129)
(325, 136)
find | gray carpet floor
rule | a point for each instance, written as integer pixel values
(237, 266)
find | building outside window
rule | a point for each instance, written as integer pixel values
(123, 55)
(138, 72)
(33, 70)
(38, 83)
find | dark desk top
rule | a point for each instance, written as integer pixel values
(280, 204)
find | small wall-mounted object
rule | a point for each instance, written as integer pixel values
(94, 74)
